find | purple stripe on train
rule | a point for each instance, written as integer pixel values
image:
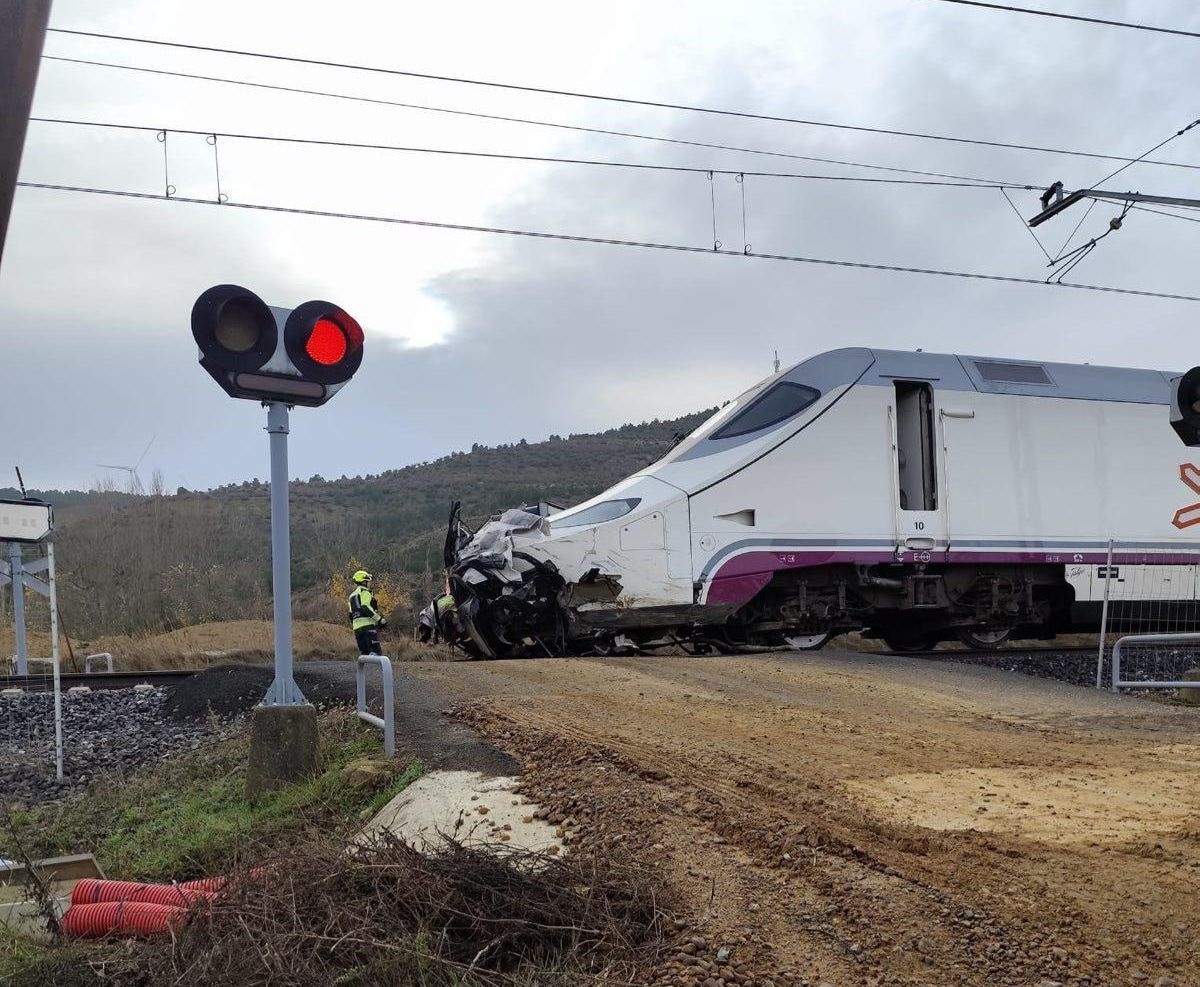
(741, 577)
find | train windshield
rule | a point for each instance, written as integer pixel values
(608, 510)
(776, 404)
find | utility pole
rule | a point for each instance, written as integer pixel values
(22, 31)
(284, 691)
(16, 572)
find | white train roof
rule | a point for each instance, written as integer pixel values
(1000, 375)
(818, 382)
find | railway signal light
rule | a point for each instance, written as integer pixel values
(280, 357)
(1185, 407)
(299, 356)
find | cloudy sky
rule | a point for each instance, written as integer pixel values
(484, 338)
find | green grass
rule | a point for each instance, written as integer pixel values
(25, 962)
(189, 817)
(186, 818)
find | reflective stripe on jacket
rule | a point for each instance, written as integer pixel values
(362, 609)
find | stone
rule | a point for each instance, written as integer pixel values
(107, 732)
(143, 687)
(79, 690)
(283, 747)
(368, 772)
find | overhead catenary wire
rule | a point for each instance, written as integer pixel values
(1163, 143)
(604, 98)
(530, 121)
(611, 241)
(1074, 230)
(1074, 257)
(1163, 212)
(1021, 220)
(1059, 15)
(541, 158)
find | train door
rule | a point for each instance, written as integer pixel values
(920, 504)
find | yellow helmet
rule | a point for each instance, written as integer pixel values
(361, 577)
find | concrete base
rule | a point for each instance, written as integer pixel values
(283, 747)
(469, 807)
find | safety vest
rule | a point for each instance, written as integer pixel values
(362, 609)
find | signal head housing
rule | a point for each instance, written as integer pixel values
(1185, 407)
(261, 353)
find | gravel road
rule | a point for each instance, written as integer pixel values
(856, 819)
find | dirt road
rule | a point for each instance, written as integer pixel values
(855, 819)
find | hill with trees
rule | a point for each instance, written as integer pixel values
(145, 563)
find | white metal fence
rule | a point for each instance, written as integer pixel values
(387, 722)
(1150, 619)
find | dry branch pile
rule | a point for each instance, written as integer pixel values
(389, 915)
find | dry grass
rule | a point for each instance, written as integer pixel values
(221, 642)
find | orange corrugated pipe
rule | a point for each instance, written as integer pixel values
(212, 884)
(144, 909)
(123, 918)
(91, 891)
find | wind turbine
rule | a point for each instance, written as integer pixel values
(135, 481)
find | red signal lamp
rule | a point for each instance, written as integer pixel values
(326, 343)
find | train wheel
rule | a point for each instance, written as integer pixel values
(984, 640)
(807, 642)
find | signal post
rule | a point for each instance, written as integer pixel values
(281, 358)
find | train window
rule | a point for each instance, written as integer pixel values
(915, 449)
(608, 510)
(773, 406)
(1012, 373)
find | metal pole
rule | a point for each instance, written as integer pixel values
(1104, 617)
(54, 656)
(23, 29)
(18, 590)
(283, 691)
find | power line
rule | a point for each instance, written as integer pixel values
(1160, 144)
(627, 101)
(1163, 212)
(1071, 17)
(972, 183)
(645, 244)
(479, 115)
(1021, 219)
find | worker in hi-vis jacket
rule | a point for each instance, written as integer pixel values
(365, 618)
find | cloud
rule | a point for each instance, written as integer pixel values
(478, 338)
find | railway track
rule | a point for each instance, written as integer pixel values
(95, 680)
(958, 654)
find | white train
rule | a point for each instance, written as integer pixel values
(918, 496)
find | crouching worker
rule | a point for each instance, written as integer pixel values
(365, 618)
(439, 621)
